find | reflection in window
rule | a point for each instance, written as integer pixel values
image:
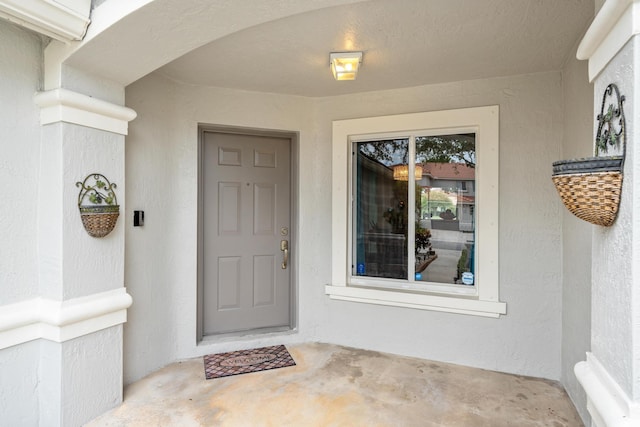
(438, 230)
(381, 209)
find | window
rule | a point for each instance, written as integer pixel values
(429, 237)
(415, 212)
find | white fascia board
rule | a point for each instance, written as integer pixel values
(61, 321)
(60, 21)
(616, 23)
(62, 105)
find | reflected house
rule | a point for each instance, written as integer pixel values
(458, 180)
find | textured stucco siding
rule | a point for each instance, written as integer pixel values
(576, 234)
(20, 78)
(163, 144)
(20, 71)
(526, 340)
(615, 249)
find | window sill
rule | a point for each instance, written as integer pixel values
(410, 299)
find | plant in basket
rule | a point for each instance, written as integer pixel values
(590, 187)
(98, 205)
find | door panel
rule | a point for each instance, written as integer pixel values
(264, 287)
(246, 202)
(229, 208)
(264, 205)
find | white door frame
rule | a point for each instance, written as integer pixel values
(293, 231)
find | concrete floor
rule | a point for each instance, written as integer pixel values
(339, 386)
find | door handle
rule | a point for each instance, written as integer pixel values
(284, 247)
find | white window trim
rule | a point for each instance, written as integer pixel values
(485, 300)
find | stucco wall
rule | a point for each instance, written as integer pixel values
(161, 169)
(20, 71)
(160, 269)
(98, 262)
(616, 289)
(19, 375)
(527, 339)
(576, 234)
(152, 263)
(91, 375)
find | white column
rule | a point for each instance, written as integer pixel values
(611, 373)
(83, 302)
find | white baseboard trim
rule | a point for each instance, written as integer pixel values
(61, 321)
(63, 105)
(607, 403)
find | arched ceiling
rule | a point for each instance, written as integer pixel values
(128, 39)
(283, 46)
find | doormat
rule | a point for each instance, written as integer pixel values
(245, 361)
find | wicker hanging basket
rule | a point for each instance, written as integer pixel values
(590, 187)
(100, 217)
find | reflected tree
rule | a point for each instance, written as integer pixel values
(387, 152)
(459, 148)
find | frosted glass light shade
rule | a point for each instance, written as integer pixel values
(345, 65)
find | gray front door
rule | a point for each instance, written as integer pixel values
(245, 232)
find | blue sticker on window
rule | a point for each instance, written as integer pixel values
(467, 278)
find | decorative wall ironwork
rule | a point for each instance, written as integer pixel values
(611, 125)
(98, 204)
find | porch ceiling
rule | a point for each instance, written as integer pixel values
(269, 49)
(405, 43)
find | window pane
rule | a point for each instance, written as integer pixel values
(380, 208)
(445, 233)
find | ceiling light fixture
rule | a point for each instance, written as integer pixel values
(401, 172)
(344, 65)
